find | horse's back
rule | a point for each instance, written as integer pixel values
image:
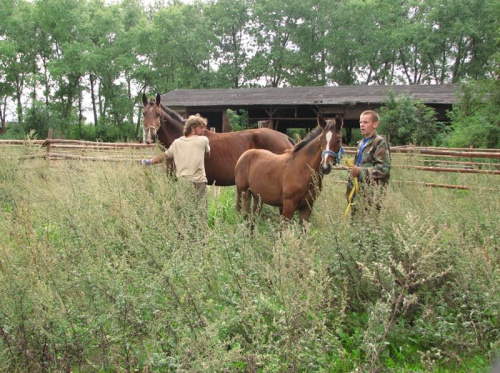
(228, 147)
(274, 141)
(261, 171)
(248, 161)
(257, 138)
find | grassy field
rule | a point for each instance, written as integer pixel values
(113, 267)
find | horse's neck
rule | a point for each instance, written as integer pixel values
(310, 154)
(170, 130)
(211, 135)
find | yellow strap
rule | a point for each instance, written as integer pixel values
(354, 190)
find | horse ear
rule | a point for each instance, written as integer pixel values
(321, 120)
(144, 99)
(339, 121)
(158, 99)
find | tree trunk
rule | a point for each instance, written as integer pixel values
(92, 96)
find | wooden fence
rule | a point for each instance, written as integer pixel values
(429, 159)
(442, 160)
(56, 149)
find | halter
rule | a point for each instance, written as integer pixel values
(147, 132)
(149, 128)
(337, 156)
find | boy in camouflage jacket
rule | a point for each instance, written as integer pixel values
(372, 163)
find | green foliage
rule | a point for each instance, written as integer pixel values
(356, 136)
(37, 119)
(114, 266)
(407, 121)
(476, 117)
(297, 134)
(239, 120)
(75, 50)
(103, 132)
(14, 131)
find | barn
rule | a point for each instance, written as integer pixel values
(297, 107)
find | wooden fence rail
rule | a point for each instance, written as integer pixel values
(454, 160)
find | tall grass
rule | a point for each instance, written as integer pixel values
(116, 267)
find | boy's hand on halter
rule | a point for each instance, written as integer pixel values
(354, 171)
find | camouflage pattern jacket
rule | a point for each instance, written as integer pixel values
(376, 163)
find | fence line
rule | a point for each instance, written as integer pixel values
(449, 169)
(55, 150)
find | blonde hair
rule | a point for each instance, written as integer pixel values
(374, 115)
(194, 121)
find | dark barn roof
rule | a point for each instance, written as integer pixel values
(292, 107)
(342, 95)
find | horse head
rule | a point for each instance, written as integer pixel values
(331, 142)
(151, 118)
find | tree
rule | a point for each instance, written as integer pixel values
(229, 20)
(413, 47)
(309, 36)
(18, 62)
(274, 21)
(462, 38)
(182, 47)
(64, 23)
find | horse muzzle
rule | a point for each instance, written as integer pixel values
(326, 166)
(152, 139)
(151, 136)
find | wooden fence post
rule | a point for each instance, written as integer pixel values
(49, 137)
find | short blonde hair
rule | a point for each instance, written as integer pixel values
(194, 121)
(374, 115)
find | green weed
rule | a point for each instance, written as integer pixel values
(110, 267)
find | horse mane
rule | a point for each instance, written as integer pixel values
(310, 136)
(172, 113)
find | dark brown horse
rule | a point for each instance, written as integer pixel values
(291, 180)
(165, 125)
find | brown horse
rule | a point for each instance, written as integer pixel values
(165, 125)
(289, 180)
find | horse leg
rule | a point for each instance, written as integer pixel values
(243, 200)
(257, 205)
(288, 209)
(304, 214)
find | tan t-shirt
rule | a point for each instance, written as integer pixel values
(189, 157)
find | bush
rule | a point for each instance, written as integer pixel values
(239, 120)
(37, 119)
(102, 132)
(14, 131)
(406, 121)
(476, 117)
(297, 134)
(116, 267)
